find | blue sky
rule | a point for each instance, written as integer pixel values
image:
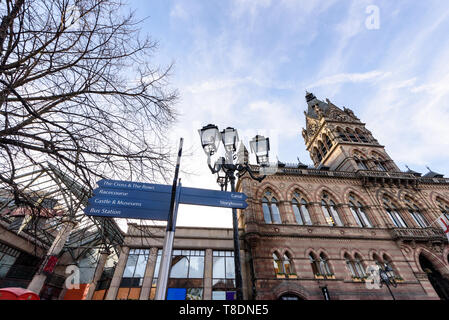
(247, 64)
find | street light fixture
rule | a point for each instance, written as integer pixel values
(210, 140)
(387, 276)
(261, 147)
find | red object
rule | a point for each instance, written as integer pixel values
(17, 294)
(51, 264)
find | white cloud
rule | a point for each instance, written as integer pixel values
(372, 76)
(179, 11)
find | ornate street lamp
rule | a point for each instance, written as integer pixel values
(261, 147)
(387, 276)
(225, 169)
(210, 139)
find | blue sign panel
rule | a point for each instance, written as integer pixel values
(213, 194)
(132, 194)
(128, 185)
(212, 202)
(124, 199)
(131, 213)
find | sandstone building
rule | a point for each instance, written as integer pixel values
(309, 232)
(312, 228)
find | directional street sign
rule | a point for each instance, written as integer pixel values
(131, 213)
(135, 200)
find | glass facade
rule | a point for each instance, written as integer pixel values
(133, 274)
(186, 275)
(223, 276)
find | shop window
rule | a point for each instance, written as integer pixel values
(223, 275)
(186, 275)
(133, 274)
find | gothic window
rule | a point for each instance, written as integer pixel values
(350, 265)
(322, 149)
(416, 214)
(378, 261)
(277, 264)
(314, 264)
(342, 134)
(379, 162)
(328, 142)
(388, 264)
(317, 155)
(361, 136)
(324, 265)
(393, 213)
(352, 135)
(361, 163)
(287, 265)
(270, 208)
(330, 211)
(358, 211)
(359, 266)
(300, 210)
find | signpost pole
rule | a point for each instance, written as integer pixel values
(164, 270)
(237, 264)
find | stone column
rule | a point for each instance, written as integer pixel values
(347, 216)
(316, 214)
(244, 274)
(97, 275)
(39, 278)
(118, 273)
(289, 216)
(149, 274)
(208, 265)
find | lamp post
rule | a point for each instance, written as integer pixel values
(387, 276)
(225, 168)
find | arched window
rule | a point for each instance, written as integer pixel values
(299, 206)
(361, 136)
(328, 142)
(393, 213)
(342, 135)
(351, 135)
(359, 266)
(287, 266)
(355, 266)
(330, 211)
(322, 149)
(314, 264)
(277, 263)
(350, 266)
(379, 162)
(444, 207)
(358, 211)
(416, 214)
(378, 260)
(270, 208)
(360, 160)
(317, 155)
(388, 263)
(324, 265)
(361, 163)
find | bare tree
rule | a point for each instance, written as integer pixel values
(77, 89)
